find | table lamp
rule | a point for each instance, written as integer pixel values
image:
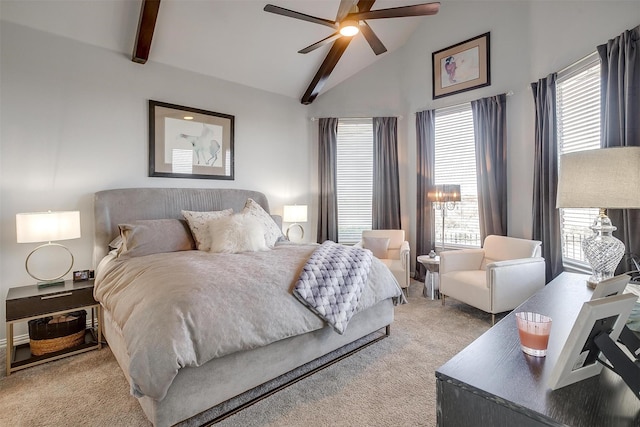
(47, 227)
(295, 214)
(444, 197)
(606, 178)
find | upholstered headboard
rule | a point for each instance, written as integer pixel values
(113, 207)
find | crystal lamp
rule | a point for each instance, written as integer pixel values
(607, 178)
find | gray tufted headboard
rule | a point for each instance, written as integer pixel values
(113, 207)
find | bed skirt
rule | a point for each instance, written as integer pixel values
(215, 388)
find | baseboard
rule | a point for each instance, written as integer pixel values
(17, 340)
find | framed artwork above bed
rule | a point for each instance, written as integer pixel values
(187, 142)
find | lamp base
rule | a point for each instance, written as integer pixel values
(301, 231)
(50, 283)
(44, 282)
(602, 250)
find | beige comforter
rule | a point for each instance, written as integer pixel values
(183, 309)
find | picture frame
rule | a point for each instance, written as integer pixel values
(461, 67)
(80, 275)
(612, 286)
(578, 359)
(187, 142)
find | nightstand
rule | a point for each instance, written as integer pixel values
(30, 302)
(431, 284)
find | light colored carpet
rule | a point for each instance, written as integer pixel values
(390, 383)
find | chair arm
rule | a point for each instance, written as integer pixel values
(405, 255)
(512, 262)
(514, 281)
(461, 260)
(360, 244)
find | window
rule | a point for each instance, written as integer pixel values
(578, 117)
(354, 178)
(455, 163)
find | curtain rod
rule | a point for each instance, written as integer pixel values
(510, 93)
(313, 119)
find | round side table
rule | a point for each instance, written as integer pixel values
(431, 285)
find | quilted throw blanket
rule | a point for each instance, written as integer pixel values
(332, 280)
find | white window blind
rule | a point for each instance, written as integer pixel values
(354, 178)
(578, 117)
(455, 163)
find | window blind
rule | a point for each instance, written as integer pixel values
(578, 117)
(455, 163)
(354, 178)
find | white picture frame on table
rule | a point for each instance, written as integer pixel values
(610, 287)
(578, 359)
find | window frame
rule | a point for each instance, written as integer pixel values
(439, 114)
(575, 70)
(363, 160)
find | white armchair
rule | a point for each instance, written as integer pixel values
(390, 247)
(498, 277)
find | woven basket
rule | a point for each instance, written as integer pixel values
(40, 347)
(46, 337)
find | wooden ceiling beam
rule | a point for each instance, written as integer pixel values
(331, 60)
(329, 63)
(146, 26)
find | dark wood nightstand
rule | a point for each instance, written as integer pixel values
(30, 302)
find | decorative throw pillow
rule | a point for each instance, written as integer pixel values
(115, 243)
(146, 237)
(237, 233)
(198, 223)
(271, 230)
(377, 245)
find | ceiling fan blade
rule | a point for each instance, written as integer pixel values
(372, 39)
(344, 9)
(321, 43)
(399, 12)
(297, 15)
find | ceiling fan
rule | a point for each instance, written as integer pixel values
(350, 20)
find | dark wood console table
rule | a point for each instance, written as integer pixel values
(493, 383)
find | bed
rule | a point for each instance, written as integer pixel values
(231, 361)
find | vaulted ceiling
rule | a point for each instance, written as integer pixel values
(235, 40)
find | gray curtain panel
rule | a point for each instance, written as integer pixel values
(490, 129)
(546, 217)
(425, 170)
(620, 122)
(328, 204)
(386, 179)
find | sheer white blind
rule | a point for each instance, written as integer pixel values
(354, 178)
(578, 116)
(455, 163)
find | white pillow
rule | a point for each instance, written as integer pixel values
(236, 233)
(198, 224)
(378, 245)
(271, 230)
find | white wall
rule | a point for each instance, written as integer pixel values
(529, 40)
(74, 121)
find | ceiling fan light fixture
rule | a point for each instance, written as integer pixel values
(349, 28)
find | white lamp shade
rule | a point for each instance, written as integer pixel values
(295, 213)
(47, 226)
(604, 178)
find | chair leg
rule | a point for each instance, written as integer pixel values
(493, 319)
(443, 297)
